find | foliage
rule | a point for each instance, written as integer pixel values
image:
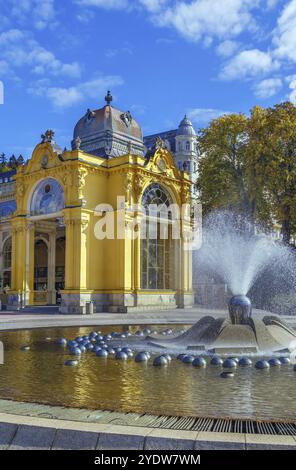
(248, 165)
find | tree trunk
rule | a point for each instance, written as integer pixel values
(286, 225)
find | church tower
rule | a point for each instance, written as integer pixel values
(186, 154)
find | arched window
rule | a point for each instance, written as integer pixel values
(6, 254)
(156, 243)
(180, 146)
(48, 198)
(187, 146)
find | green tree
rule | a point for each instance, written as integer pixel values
(227, 177)
(278, 165)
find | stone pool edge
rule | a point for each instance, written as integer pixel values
(19, 432)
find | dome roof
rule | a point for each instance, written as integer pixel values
(108, 132)
(186, 127)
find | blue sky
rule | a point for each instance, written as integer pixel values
(160, 58)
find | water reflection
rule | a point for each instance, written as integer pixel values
(39, 375)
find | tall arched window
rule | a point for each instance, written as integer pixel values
(6, 253)
(187, 146)
(180, 146)
(156, 242)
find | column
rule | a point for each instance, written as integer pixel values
(51, 267)
(30, 241)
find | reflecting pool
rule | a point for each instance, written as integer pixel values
(39, 375)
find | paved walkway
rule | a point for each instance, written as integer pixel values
(19, 320)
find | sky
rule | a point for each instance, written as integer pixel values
(160, 59)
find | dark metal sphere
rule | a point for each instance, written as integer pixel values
(285, 360)
(274, 361)
(240, 309)
(62, 341)
(229, 363)
(188, 359)
(71, 362)
(244, 361)
(160, 361)
(216, 361)
(262, 365)
(141, 357)
(121, 355)
(102, 353)
(226, 375)
(199, 362)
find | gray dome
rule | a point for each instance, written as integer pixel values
(108, 132)
(186, 127)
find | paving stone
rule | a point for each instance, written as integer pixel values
(220, 441)
(7, 432)
(163, 439)
(113, 441)
(33, 438)
(266, 442)
(66, 439)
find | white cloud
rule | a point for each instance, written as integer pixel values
(40, 12)
(19, 49)
(153, 6)
(268, 87)
(65, 97)
(209, 17)
(285, 34)
(227, 48)
(107, 4)
(292, 87)
(204, 115)
(248, 64)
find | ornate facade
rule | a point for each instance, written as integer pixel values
(51, 252)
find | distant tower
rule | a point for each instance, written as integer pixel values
(186, 155)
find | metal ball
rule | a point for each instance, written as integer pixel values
(139, 333)
(262, 365)
(216, 361)
(160, 361)
(188, 359)
(168, 357)
(244, 361)
(71, 362)
(240, 309)
(229, 363)
(25, 348)
(126, 350)
(75, 351)
(226, 375)
(199, 362)
(285, 360)
(62, 341)
(274, 361)
(82, 348)
(180, 357)
(110, 351)
(102, 353)
(141, 357)
(121, 355)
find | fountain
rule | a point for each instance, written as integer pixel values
(238, 259)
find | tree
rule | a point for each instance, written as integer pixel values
(278, 165)
(227, 178)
